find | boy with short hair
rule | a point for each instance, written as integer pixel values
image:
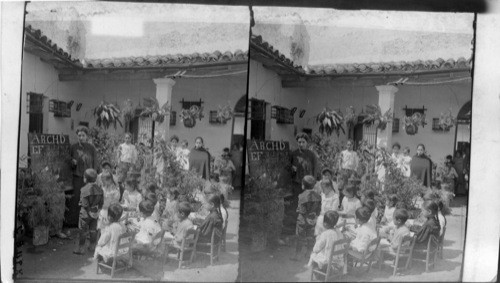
(389, 243)
(308, 209)
(91, 201)
(184, 224)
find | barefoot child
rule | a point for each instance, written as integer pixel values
(183, 226)
(309, 208)
(148, 228)
(91, 200)
(325, 241)
(391, 241)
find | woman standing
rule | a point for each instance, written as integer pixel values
(421, 166)
(199, 159)
(237, 159)
(459, 165)
(304, 162)
(83, 156)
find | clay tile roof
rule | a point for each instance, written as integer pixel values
(418, 66)
(177, 60)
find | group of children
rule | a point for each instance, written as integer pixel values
(322, 217)
(106, 211)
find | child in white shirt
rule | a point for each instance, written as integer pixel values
(131, 197)
(324, 242)
(329, 202)
(106, 245)
(148, 228)
(111, 195)
(127, 156)
(350, 203)
(364, 233)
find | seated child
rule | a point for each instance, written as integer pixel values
(370, 195)
(148, 228)
(434, 196)
(364, 233)
(170, 211)
(131, 197)
(183, 226)
(329, 202)
(390, 243)
(327, 175)
(324, 242)
(308, 209)
(370, 204)
(111, 195)
(91, 201)
(430, 227)
(390, 207)
(350, 203)
(105, 249)
(212, 221)
(154, 200)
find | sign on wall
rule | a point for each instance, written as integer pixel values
(264, 156)
(52, 152)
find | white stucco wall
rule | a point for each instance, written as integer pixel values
(42, 78)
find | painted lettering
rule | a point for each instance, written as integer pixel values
(35, 140)
(42, 138)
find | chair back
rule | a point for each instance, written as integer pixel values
(432, 244)
(441, 238)
(340, 247)
(189, 242)
(372, 247)
(158, 238)
(406, 245)
(124, 243)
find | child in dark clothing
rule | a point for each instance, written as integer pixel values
(430, 227)
(212, 221)
(91, 201)
(309, 208)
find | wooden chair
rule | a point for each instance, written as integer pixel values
(188, 245)
(215, 246)
(154, 253)
(431, 253)
(340, 247)
(368, 256)
(123, 252)
(405, 250)
(223, 243)
(440, 245)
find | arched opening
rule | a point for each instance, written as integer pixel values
(462, 130)
(238, 132)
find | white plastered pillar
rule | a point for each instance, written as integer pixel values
(163, 94)
(386, 94)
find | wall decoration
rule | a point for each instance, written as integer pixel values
(411, 124)
(189, 116)
(224, 113)
(446, 120)
(78, 106)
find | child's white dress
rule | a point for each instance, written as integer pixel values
(131, 200)
(389, 215)
(364, 235)
(324, 243)
(328, 202)
(349, 206)
(111, 195)
(373, 219)
(107, 242)
(148, 228)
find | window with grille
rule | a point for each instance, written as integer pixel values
(34, 103)
(35, 123)
(395, 125)
(173, 118)
(410, 111)
(188, 104)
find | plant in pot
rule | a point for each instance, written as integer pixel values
(411, 124)
(446, 120)
(330, 121)
(224, 113)
(375, 117)
(107, 114)
(157, 113)
(189, 116)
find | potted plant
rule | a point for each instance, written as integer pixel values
(157, 113)
(411, 124)
(374, 116)
(189, 116)
(107, 114)
(224, 113)
(446, 120)
(330, 121)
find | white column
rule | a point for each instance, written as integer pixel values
(164, 94)
(385, 101)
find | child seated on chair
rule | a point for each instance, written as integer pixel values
(131, 197)
(350, 203)
(212, 221)
(329, 201)
(390, 207)
(364, 233)
(111, 194)
(105, 249)
(182, 226)
(308, 209)
(154, 200)
(370, 204)
(391, 241)
(148, 228)
(434, 196)
(430, 227)
(324, 242)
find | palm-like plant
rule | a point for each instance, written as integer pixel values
(107, 114)
(330, 121)
(375, 116)
(154, 111)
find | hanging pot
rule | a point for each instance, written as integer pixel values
(189, 122)
(411, 129)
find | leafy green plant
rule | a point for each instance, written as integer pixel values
(446, 120)
(374, 116)
(107, 114)
(330, 121)
(327, 150)
(350, 118)
(157, 113)
(106, 145)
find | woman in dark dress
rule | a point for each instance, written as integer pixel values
(459, 165)
(199, 159)
(304, 162)
(421, 166)
(83, 156)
